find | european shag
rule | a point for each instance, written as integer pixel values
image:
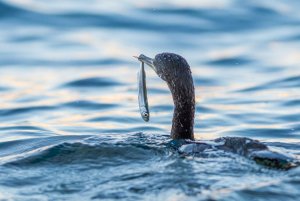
(176, 72)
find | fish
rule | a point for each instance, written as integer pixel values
(142, 94)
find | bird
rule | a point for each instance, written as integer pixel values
(176, 72)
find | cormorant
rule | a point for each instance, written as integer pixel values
(176, 72)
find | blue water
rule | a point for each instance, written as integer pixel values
(69, 122)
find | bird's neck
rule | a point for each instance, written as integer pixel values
(184, 101)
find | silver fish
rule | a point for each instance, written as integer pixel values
(142, 90)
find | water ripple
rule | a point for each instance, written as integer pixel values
(3, 88)
(290, 82)
(292, 103)
(232, 62)
(92, 82)
(24, 110)
(83, 104)
(66, 63)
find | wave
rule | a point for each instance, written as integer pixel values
(7, 10)
(211, 20)
(289, 82)
(88, 105)
(79, 149)
(8, 61)
(292, 103)
(3, 88)
(24, 110)
(230, 62)
(92, 82)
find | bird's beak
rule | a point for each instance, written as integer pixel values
(146, 60)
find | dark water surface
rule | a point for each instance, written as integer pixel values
(69, 122)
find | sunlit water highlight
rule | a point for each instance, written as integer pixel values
(69, 121)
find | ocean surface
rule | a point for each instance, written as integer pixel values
(70, 127)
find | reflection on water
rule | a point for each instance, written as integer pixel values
(69, 122)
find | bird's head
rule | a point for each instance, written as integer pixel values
(168, 66)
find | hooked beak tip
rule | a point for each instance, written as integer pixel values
(145, 59)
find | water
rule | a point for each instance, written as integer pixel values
(69, 121)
